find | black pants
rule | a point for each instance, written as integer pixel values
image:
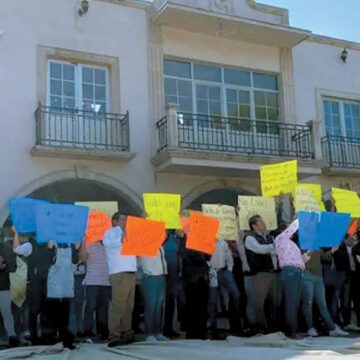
(38, 306)
(97, 300)
(170, 302)
(196, 309)
(59, 320)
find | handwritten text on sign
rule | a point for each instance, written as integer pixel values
(257, 205)
(163, 207)
(143, 237)
(305, 201)
(347, 202)
(278, 178)
(98, 223)
(316, 190)
(227, 216)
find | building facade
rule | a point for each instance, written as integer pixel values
(108, 99)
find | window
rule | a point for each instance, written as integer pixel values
(219, 92)
(77, 87)
(342, 118)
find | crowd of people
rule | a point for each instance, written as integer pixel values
(260, 284)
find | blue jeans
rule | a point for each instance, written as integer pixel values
(314, 290)
(292, 282)
(153, 292)
(76, 323)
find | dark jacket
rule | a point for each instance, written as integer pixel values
(10, 266)
(259, 262)
(341, 259)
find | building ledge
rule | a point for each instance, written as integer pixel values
(85, 154)
(206, 22)
(341, 171)
(197, 162)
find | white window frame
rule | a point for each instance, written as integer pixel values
(78, 82)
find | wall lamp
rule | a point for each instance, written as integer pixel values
(344, 55)
(84, 8)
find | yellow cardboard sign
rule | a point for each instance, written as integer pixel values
(108, 207)
(304, 200)
(278, 178)
(226, 214)
(257, 205)
(346, 201)
(163, 207)
(316, 190)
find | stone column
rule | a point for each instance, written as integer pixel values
(172, 128)
(316, 138)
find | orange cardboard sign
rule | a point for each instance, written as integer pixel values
(203, 232)
(98, 223)
(353, 228)
(143, 237)
(185, 225)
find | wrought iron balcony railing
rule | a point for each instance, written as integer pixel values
(78, 129)
(233, 135)
(341, 151)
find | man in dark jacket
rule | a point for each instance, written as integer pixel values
(7, 265)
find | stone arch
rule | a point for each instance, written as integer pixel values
(209, 186)
(122, 189)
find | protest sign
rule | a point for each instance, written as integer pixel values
(107, 207)
(143, 237)
(257, 205)
(18, 283)
(63, 223)
(203, 232)
(226, 214)
(309, 223)
(163, 207)
(333, 228)
(346, 201)
(304, 200)
(316, 190)
(278, 178)
(98, 223)
(353, 228)
(23, 214)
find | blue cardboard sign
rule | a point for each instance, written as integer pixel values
(333, 228)
(308, 230)
(64, 223)
(23, 213)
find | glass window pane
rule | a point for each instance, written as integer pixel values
(185, 105)
(244, 97)
(69, 88)
(236, 77)
(69, 103)
(55, 101)
(260, 113)
(88, 91)
(327, 106)
(69, 72)
(170, 86)
(177, 68)
(231, 95)
(100, 76)
(245, 112)
(169, 99)
(100, 107)
(55, 70)
(272, 100)
(184, 88)
(55, 87)
(272, 114)
(260, 98)
(215, 108)
(207, 73)
(214, 93)
(100, 93)
(264, 81)
(202, 106)
(201, 92)
(232, 110)
(335, 107)
(87, 75)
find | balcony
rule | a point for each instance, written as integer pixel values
(217, 146)
(341, 153)
(73, 133)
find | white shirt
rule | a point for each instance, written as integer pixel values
(117, 263)
(154, 266)
(222, 257)
(24, 249)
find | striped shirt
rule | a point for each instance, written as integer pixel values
(96, 265)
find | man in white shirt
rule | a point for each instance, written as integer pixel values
(122, 276)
